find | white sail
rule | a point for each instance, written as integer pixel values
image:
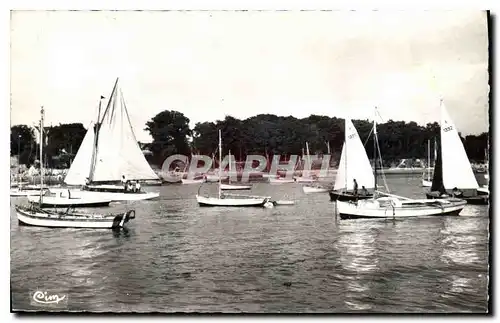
(354, 163)
(118, 152)
(457, 171)
(80, 167)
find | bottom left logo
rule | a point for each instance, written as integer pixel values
(48, 298)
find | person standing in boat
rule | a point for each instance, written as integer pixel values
(124, 183)
(364, 191)
(355, 187)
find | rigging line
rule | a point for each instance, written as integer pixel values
(381, 170)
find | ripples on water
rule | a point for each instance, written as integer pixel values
(176, 256)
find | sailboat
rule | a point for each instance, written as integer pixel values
(427, 182)
(484, 190)
(109, 154)
(33, 214)
(22, 189)
(354, 164)
(233, 187)
(225, 199)
(386, 205)
(306, 176)
(453, 171)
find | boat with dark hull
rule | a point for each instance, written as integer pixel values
(453, 174)
(354, 165)
(348, 196)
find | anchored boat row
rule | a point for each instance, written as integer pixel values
(110, 150)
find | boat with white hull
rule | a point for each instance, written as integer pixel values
(233, 200)
(33, 215)
(314, 189)
(280, 180)
(58, 200)
(16, 192)
(110, 154)
(233, 187)
(193, 181)
(386, 205)
(215, 178)
(52, 219)
(426, 183)
(224, 199)
(391, 207)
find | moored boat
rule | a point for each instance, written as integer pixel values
(453, 174)
(354, 165)
(224, 199)
(33, 216)
(397, 207)
(109, 161)
(308, 189)
(57, 199)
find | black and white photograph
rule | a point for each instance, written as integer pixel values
(250, 161)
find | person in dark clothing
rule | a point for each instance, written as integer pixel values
(456, 192)
(124, 183)
(355, 187)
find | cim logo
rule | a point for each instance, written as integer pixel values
(45, 298)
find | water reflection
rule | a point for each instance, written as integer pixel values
(459, 241)
(358, 259)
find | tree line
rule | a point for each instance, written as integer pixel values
(266, 134)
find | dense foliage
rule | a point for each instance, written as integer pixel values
(262, 134)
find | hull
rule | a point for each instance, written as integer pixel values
(304, 180)
(215, 178)
(16, 184)
(56, 201)
(19, 193)
(114, 193)
(415, 208)
(117, 197)
(397, 170)
(229, 187)
(310, 189)
(340, 196)
(280, 181)
(233, 202)
(193, 181)
(426, 183)
(60, 220)
(480, 199)
(483, 190)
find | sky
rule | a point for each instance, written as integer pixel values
(208, 64)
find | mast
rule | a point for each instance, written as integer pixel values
(308, 160)
(229, 178)
(42, 112)
(220, 161)
(428, 160)
(375, 149)
(96, 135)
(328, 151)
(345, 151)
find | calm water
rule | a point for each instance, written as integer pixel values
(177, 256)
